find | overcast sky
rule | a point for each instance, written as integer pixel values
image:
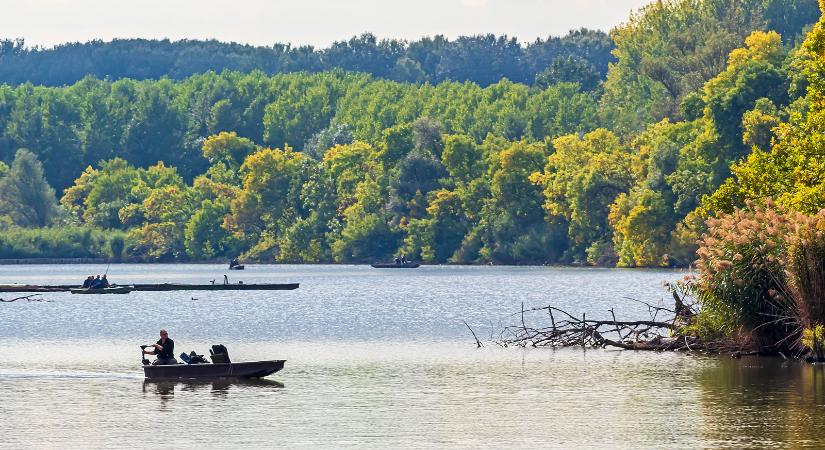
(314, 22)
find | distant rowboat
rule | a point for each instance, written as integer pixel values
(406, 265)
(108, 290)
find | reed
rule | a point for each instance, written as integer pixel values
(806, 282)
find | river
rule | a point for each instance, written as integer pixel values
(377, 359)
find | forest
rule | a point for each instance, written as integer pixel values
(572, 155)
(482, 59)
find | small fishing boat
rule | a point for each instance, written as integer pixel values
(237, 267)
(405, 265)
(220, 367)
(251, 369)
(107, 290)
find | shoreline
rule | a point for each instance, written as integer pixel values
(80, 261)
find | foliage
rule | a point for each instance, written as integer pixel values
(669, 49)
(428, 59)
(741, 261)
(416, 148)
(25, 196)
(59, 242)
(581, 179)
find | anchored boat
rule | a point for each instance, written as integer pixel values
(156, 287)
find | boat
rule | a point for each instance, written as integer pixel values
(406, 265)
(237, 267)
(107, 290)
(251, 369)
(157, 287)
(197, 367)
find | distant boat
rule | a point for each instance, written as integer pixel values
(406, 265)
(151, 287)
(108, 290)
(236, 267)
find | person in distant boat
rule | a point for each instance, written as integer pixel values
(104, 283)
(96, 283)
(234, 263)
(87, 283)
(404, 259)
(397, 261)
(164, 349)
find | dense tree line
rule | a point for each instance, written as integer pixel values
(344, 166)
(144, 122)
(482, 59)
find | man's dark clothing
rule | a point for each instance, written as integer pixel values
(167, 355)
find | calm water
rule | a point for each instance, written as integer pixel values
(377, 359)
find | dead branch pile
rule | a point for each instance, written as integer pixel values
(563, 329)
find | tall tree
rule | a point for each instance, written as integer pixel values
(25, 196)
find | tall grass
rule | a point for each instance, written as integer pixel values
(762, 278)
(806, 281)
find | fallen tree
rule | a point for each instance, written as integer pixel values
(667, 330)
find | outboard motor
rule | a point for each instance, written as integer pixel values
(219, 354)
(142, 356)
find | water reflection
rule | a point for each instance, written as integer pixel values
(763, 402)
(164, 390)
(167, 387)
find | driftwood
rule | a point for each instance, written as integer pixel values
(567, 330)
(28, 298)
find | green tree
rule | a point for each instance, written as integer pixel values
(581, 179)
(25, 196)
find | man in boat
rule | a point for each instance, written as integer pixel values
(96, 283)
(88, 282)
(104, 283)
(234, 262)
(164, 349)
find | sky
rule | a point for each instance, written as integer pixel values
(313, 22)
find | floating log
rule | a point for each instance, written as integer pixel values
(159, 287)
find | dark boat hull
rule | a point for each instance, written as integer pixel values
(238, 267)
(216, 287)
(160, 287)
(396, 266)
(252, 369)
(108, 290)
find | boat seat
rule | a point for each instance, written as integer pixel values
(219, 354)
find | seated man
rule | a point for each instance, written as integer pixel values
(96, 283)
(104, 282)
(87, 283)
(164, 349)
